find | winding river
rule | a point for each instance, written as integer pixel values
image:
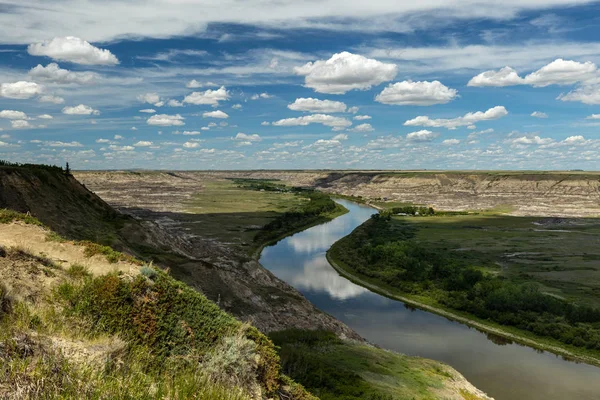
(506, 371)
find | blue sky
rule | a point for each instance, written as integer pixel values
(189, 84)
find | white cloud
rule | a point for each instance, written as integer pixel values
(249, 138)
(187, 133)
(261, 96)
(504, 77)
(237, 106)
(327, 120)
(166, 120)
(416, 93)
(194, 84)
(421, 136)
(53, 73)
(340, 137)
(353, 110)
(62, 144)
(586, 94)
(385, 142)
(215, 114)
(210, 97)
(148, 111)
(12, 114)
(51, 99)
(528, 140)
(317, 106)
(191, 145)
(539, 114)
(133, 128)
(20, 90)
(81, 109)
(467, 119)
(150, 98)
(114, 147)
(363, 128)
(362, 117)
(174, 103)
(74, 50)
(118, 137)
(265, 123)
(102, 140)
(45, 116)
(578, 139)
(558, 72)
(593, 116)
(344, 72)
(143, 143)
(20, 124)
(451, 142)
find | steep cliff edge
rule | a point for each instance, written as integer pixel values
(238, 283)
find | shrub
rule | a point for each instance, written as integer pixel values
(78, 271)
(148, 271)
(233, 362)
(5, 301)
(7, 216)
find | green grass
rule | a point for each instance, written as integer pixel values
(335, 369)
(560, 254)
(8, 216)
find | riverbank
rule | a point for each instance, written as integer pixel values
(509, 333)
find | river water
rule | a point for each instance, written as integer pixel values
(505, 371)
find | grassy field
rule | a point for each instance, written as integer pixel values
(232, 214)
(334, 369)
(561, 254)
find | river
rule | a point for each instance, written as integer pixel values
(505, 371)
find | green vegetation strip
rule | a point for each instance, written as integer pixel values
(383, 255)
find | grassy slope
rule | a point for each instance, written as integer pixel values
(337, 370)
(430, 304)
(176, 343)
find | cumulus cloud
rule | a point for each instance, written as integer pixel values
(586, 94)
(248, 138)
(62, 144)
(51, 99)
(261, 96)
(336, 123)
(416, 93)
(12, 114)
(344, 72)
(187, 133)
(451, 142)
(55, 74)
(191, 145)
(385, 142)
(210, 97)
(20, 90)
(539, 114)
(423, 135)
(340, 137)
(362, 117)
(317, 106)
(577, 139)
(174, 103)
(466, 120)
(237, 106)
(558, 72)
(81, 109)
(114, 147)
(45, 116)
(504, 77)
(363, 128)
(593, 116)
(20, 124)
(143, 143)
(150, 98)
(529, 140)
(215, 114)
(194, 84)
(148, 111)
(166, 120)
(353, 110)
(72, 49)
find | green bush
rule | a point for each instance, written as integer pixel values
(7, 216)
